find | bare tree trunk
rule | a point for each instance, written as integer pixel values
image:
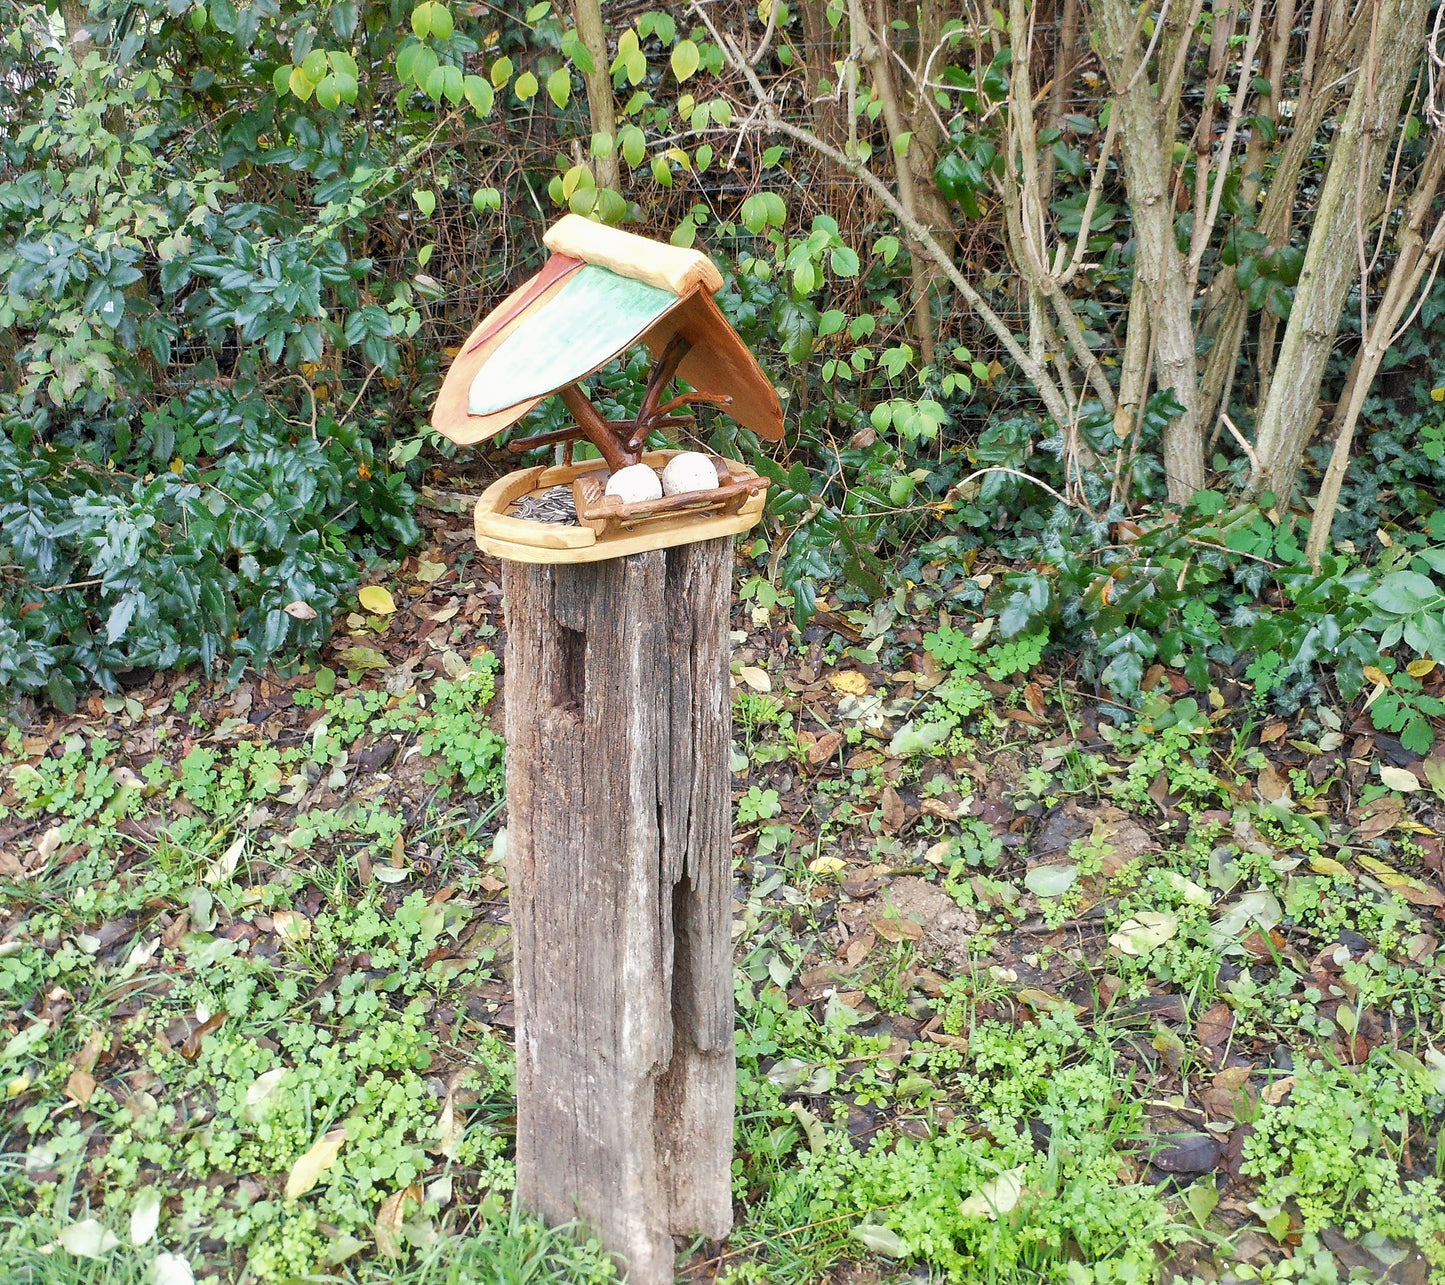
(1146, 147)
(1361, 147)
(878, 55)
(618, 726)
(1414, 258)
(600, 103)
(1066, 38)
(1226, 311)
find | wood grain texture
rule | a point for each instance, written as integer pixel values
(618, 732)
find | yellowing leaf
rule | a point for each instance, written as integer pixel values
(685, 59)
(1413, 890)
(307, 1171)
(1377, 675)
(376, 600)
(998, 1196)
(429, 572)
(850, 682)
(1327, 866)
(1419, 668)
(1399, 778)
(451, 1129)
(826, 865)
(362, 658)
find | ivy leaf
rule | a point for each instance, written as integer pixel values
(526, 87)
(685, 59)
(559, 86)
(426, 202)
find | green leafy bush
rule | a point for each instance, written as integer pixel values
(176, 467)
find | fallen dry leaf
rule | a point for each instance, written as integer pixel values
(1214, 1026)
(307, 1171)
(1141, 934)
(1276, 1092)
(891, 928)
(80, 1087)
(998, 1196)
(1273, 788)
(893, 813)
(850, 682)
(821, 750)
(388, 1220)
(191, 1046)
(299, 610)
(857, 949)
(1399, 778)
(756, 678)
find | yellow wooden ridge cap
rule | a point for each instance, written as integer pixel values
(669, 267)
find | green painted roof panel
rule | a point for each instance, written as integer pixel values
(595, 316)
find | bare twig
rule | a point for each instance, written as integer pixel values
(1241, 439)
(1041, 379)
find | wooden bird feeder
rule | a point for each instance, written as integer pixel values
(602, 292)
(619, 725)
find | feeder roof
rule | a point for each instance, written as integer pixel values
(601, 292)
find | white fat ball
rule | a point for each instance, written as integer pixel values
(689, 471)
(634, 484)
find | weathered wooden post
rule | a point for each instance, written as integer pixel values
(618, 735)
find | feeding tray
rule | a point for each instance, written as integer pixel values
(606, 527)
(601, 292)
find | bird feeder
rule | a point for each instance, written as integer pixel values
(619, 725)
(601, 293)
